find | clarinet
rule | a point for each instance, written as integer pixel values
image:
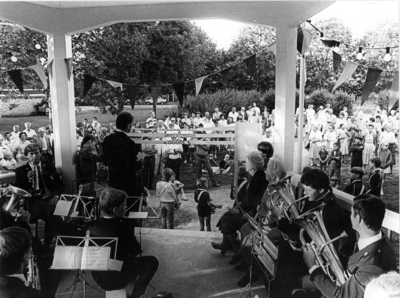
(33, 280)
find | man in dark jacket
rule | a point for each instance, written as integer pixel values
(375, 177)
(120, 155)
(44, 183)
(372, 256)
(356, 186)
(87, 161)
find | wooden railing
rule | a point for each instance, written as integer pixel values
(391, 221)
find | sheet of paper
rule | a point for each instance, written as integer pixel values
(67, 257)
(74, 214)
(138, 214)
(63, 208)
(95, 258)
(115, 265)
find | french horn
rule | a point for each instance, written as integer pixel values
(17, 194)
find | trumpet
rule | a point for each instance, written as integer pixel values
(17, 194)
(33, 280)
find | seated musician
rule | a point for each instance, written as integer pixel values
(15, 244)
(45, 185)
(372, 256)
(320, 197)
(136, 272)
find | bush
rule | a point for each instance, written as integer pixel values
(319, 97)
(341, 100)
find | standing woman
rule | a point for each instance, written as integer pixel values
(343, 138)
(19, 148)
(168, 197)
(369, 145)
(315, 140)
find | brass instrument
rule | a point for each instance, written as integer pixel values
(33, 279)
(312, 223)
(17, 194)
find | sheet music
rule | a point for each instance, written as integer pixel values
(67, 257)
(138, 215)
(95, 258)
(115, 265)
(63, 208)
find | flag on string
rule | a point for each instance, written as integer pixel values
(225, 76)
(272, 48)
(179, 90)
(199, 82)
(155, 92)
(348, 71)
(115, 84)
(49, 68)
(337, 59)
(68, 63)
(38, 68)
(87, 83)
(330, 43)
(16, 77)
(394, 91)
(132, 93)
(304, 38)
(370, 82)
(251, 64)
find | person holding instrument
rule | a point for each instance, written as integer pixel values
(15, 248)
(372, 256)
(45, 185)
(136, 272)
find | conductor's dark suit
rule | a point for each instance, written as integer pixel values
(39, 206)
(120, 155)
(370, 262)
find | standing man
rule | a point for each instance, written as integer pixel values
(202, 159)
(45, 144)
(150, 153)
(30, 133)
(256, 109)
(372, 256)
(15, 133)
(216, 116)
(120, 155)
(44, 183)
(233, 114)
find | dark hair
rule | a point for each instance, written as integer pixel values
(123, 120)
(167, 173)
(371, 209)
(6, 133)
(88, 138)
(242, 172)
(22, 133)
(376, 161)
(316, 179)
(266, 148)
(111, 198)
(306, 169)
(358, 171)
(15, 242)
(31, 148)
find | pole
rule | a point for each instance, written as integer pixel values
(301, 116)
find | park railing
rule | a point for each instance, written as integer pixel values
(391, 221)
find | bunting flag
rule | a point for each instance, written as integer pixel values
(87, 83)
(132, 93)
(348, 71)
(370, 82)
(251, 64)
(304, 38)
(115, 85)
(179, 90)
(272, 48)
(16, 77)
(155, 92)
(49, 68)
(68, 63)
(330, 43)
(225, 76)
(38, 68)
(199, 82)
(337, 59)
(394, 91)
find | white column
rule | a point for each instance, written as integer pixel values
(285, 91)
(63, 106)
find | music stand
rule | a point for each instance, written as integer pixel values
(86, 255)
(140, 200)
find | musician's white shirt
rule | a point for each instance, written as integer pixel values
(20, 276)
(363, 243)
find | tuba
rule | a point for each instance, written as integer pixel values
(312, 223)
(16, 195)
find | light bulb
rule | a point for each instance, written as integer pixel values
(359, 55)
(37, 46)
(14, 59)
(387, 57)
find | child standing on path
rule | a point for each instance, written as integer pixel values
(387, 160)
(204, 205)
(323, 156)
(335, 161)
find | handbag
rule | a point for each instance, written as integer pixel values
(307, 146)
